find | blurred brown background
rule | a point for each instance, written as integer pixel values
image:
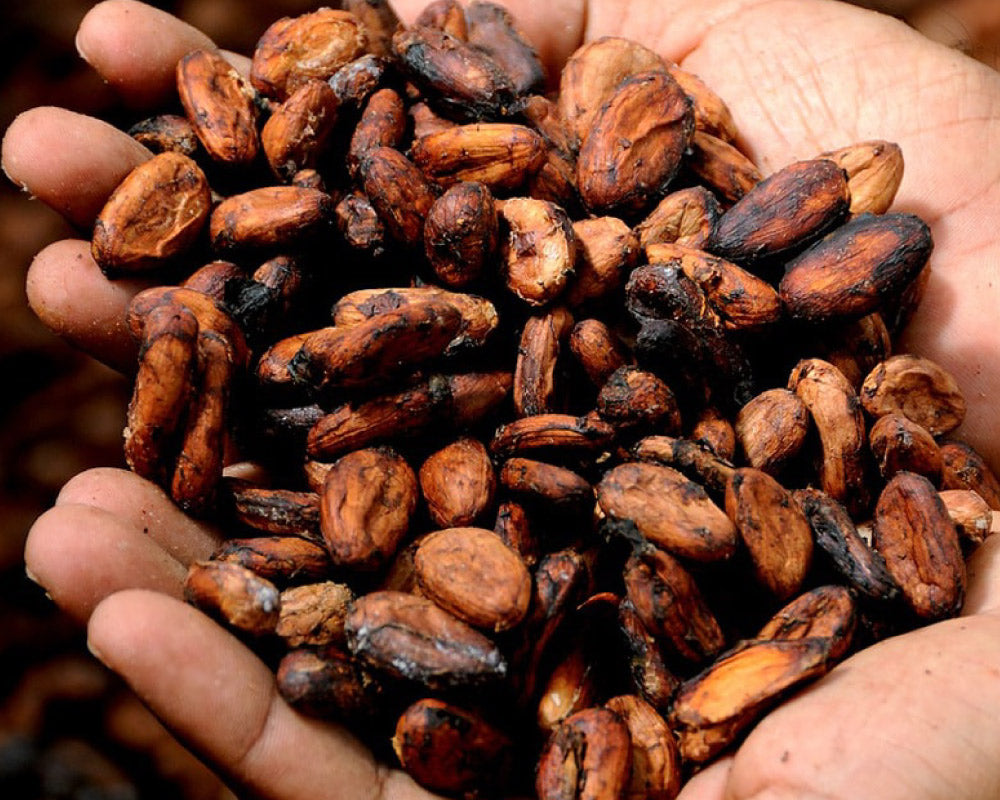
(68, 729)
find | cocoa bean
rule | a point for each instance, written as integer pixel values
(459, 483)
(650, 674)
(294, 50)
(667, 600)
(283, 560)
(234, 595)
(862, 568)
(587, 757)
(772, 429)
(656, 763)
(459, 79)
(296, 132)
(591, 75)
(687, 217)
(274, 216)
(382, 124)
(713, 708)
(409, 637)
(963, 468)
(166, 132)
(542, 338)
(776, 533)
(368, 499)
(917, 388)
(632, 152)
(899, 444)
(329, 683)
(539, 249)
(398, 192)
(314, 614)
(474, 575)
(152, 216)
(493, 30)
(450, 749)
(461, 234)
(826, 612)
(919, 543)
(876, 257)
(220, 106)
(722, 168)
(668, 510)
(874, 171)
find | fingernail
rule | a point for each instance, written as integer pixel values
(79, 46)
(31, 576)
(95, 652)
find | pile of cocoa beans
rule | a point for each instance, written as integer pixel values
(579, 443)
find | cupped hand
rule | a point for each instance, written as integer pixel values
(912, 717)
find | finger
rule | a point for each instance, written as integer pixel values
(143, 507)
(983, 568)
(69, 161)
(81, 554)
(710, 783)
(136, 47)
(221, 700)
(554, 28)
(70, 295)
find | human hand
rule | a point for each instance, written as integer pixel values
(912, 715)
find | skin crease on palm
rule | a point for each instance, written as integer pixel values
(914, 717)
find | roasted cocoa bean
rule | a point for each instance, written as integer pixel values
(656, 763)
(776, 533)
(234, 595)
(295, 50)
(450, 749)
(919, 542)
(587, 757)
(328, 683)
(668, 510)
(294, 135)
(535, 371)
(593, 73)
(851, 556)
(826, 611)
(772, 429)
(667, 600)
(917, 388)
(382, 124)
(596, 349)
(963, 468)
(283, 560)
(458, 483)
(899, 444)
(409, 637)
(538, 248)
(876, 256)
(713, 708)
(314, 614)
(461, 234)
(787, 210)
(474, 575)
(220, 105)
(274, 216)
(632, 152)
(368, 499)
(154, 215)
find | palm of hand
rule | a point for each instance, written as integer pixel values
(910, 717)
